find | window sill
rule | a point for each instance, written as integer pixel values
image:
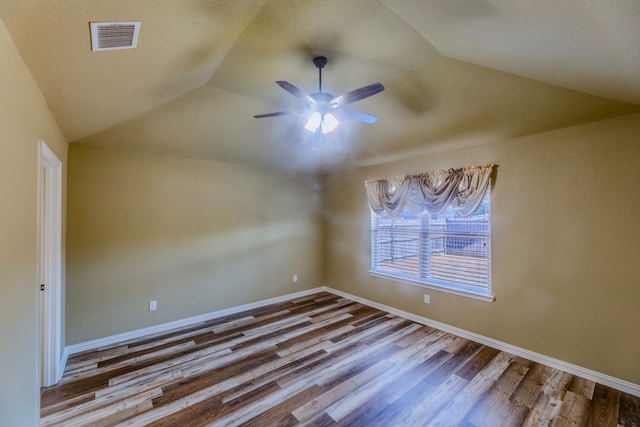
(459, 292)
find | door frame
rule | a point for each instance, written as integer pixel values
(49, 265)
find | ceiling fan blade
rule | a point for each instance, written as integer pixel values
(356, 95)
(358, 116)
(277, 113)
(296, 91)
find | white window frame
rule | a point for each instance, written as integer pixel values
(422, 278)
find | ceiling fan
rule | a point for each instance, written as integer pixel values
(321, 112)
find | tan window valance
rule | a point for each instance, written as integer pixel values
(462, 188)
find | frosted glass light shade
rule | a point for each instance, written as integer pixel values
(329, 123)
(313, 122)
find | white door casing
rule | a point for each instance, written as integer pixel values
(50, 265)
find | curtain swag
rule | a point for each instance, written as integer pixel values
(462, 188)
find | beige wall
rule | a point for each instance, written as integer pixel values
(195, 235)
(566, 245)
(25, 119)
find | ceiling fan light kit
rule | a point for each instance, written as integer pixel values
(326, 122)
(320, 106)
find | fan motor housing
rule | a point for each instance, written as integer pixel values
(321, 97)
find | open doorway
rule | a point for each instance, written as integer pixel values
(50, 268)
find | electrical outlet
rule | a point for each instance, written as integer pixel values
(295, 277)
(427, 299)
(153, 305)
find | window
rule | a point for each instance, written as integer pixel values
(444, 251)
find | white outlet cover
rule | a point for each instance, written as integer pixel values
(427, 299)
(153, 305)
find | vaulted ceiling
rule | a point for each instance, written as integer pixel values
(456, 72)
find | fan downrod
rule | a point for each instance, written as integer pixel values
(320, 62)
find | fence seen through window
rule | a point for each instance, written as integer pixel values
(442, 250)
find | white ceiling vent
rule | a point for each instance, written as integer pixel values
(114, 35)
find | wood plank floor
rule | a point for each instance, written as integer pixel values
(322, 360)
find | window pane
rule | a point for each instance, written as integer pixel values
(397, 251)
(456, 260)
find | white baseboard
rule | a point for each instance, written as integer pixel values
(139, 333)
(609, 381)
(616, 383)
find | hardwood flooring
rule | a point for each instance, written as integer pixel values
(322, 360)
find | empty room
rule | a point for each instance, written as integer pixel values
(319, 213)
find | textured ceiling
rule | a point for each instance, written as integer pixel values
(456, 72)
